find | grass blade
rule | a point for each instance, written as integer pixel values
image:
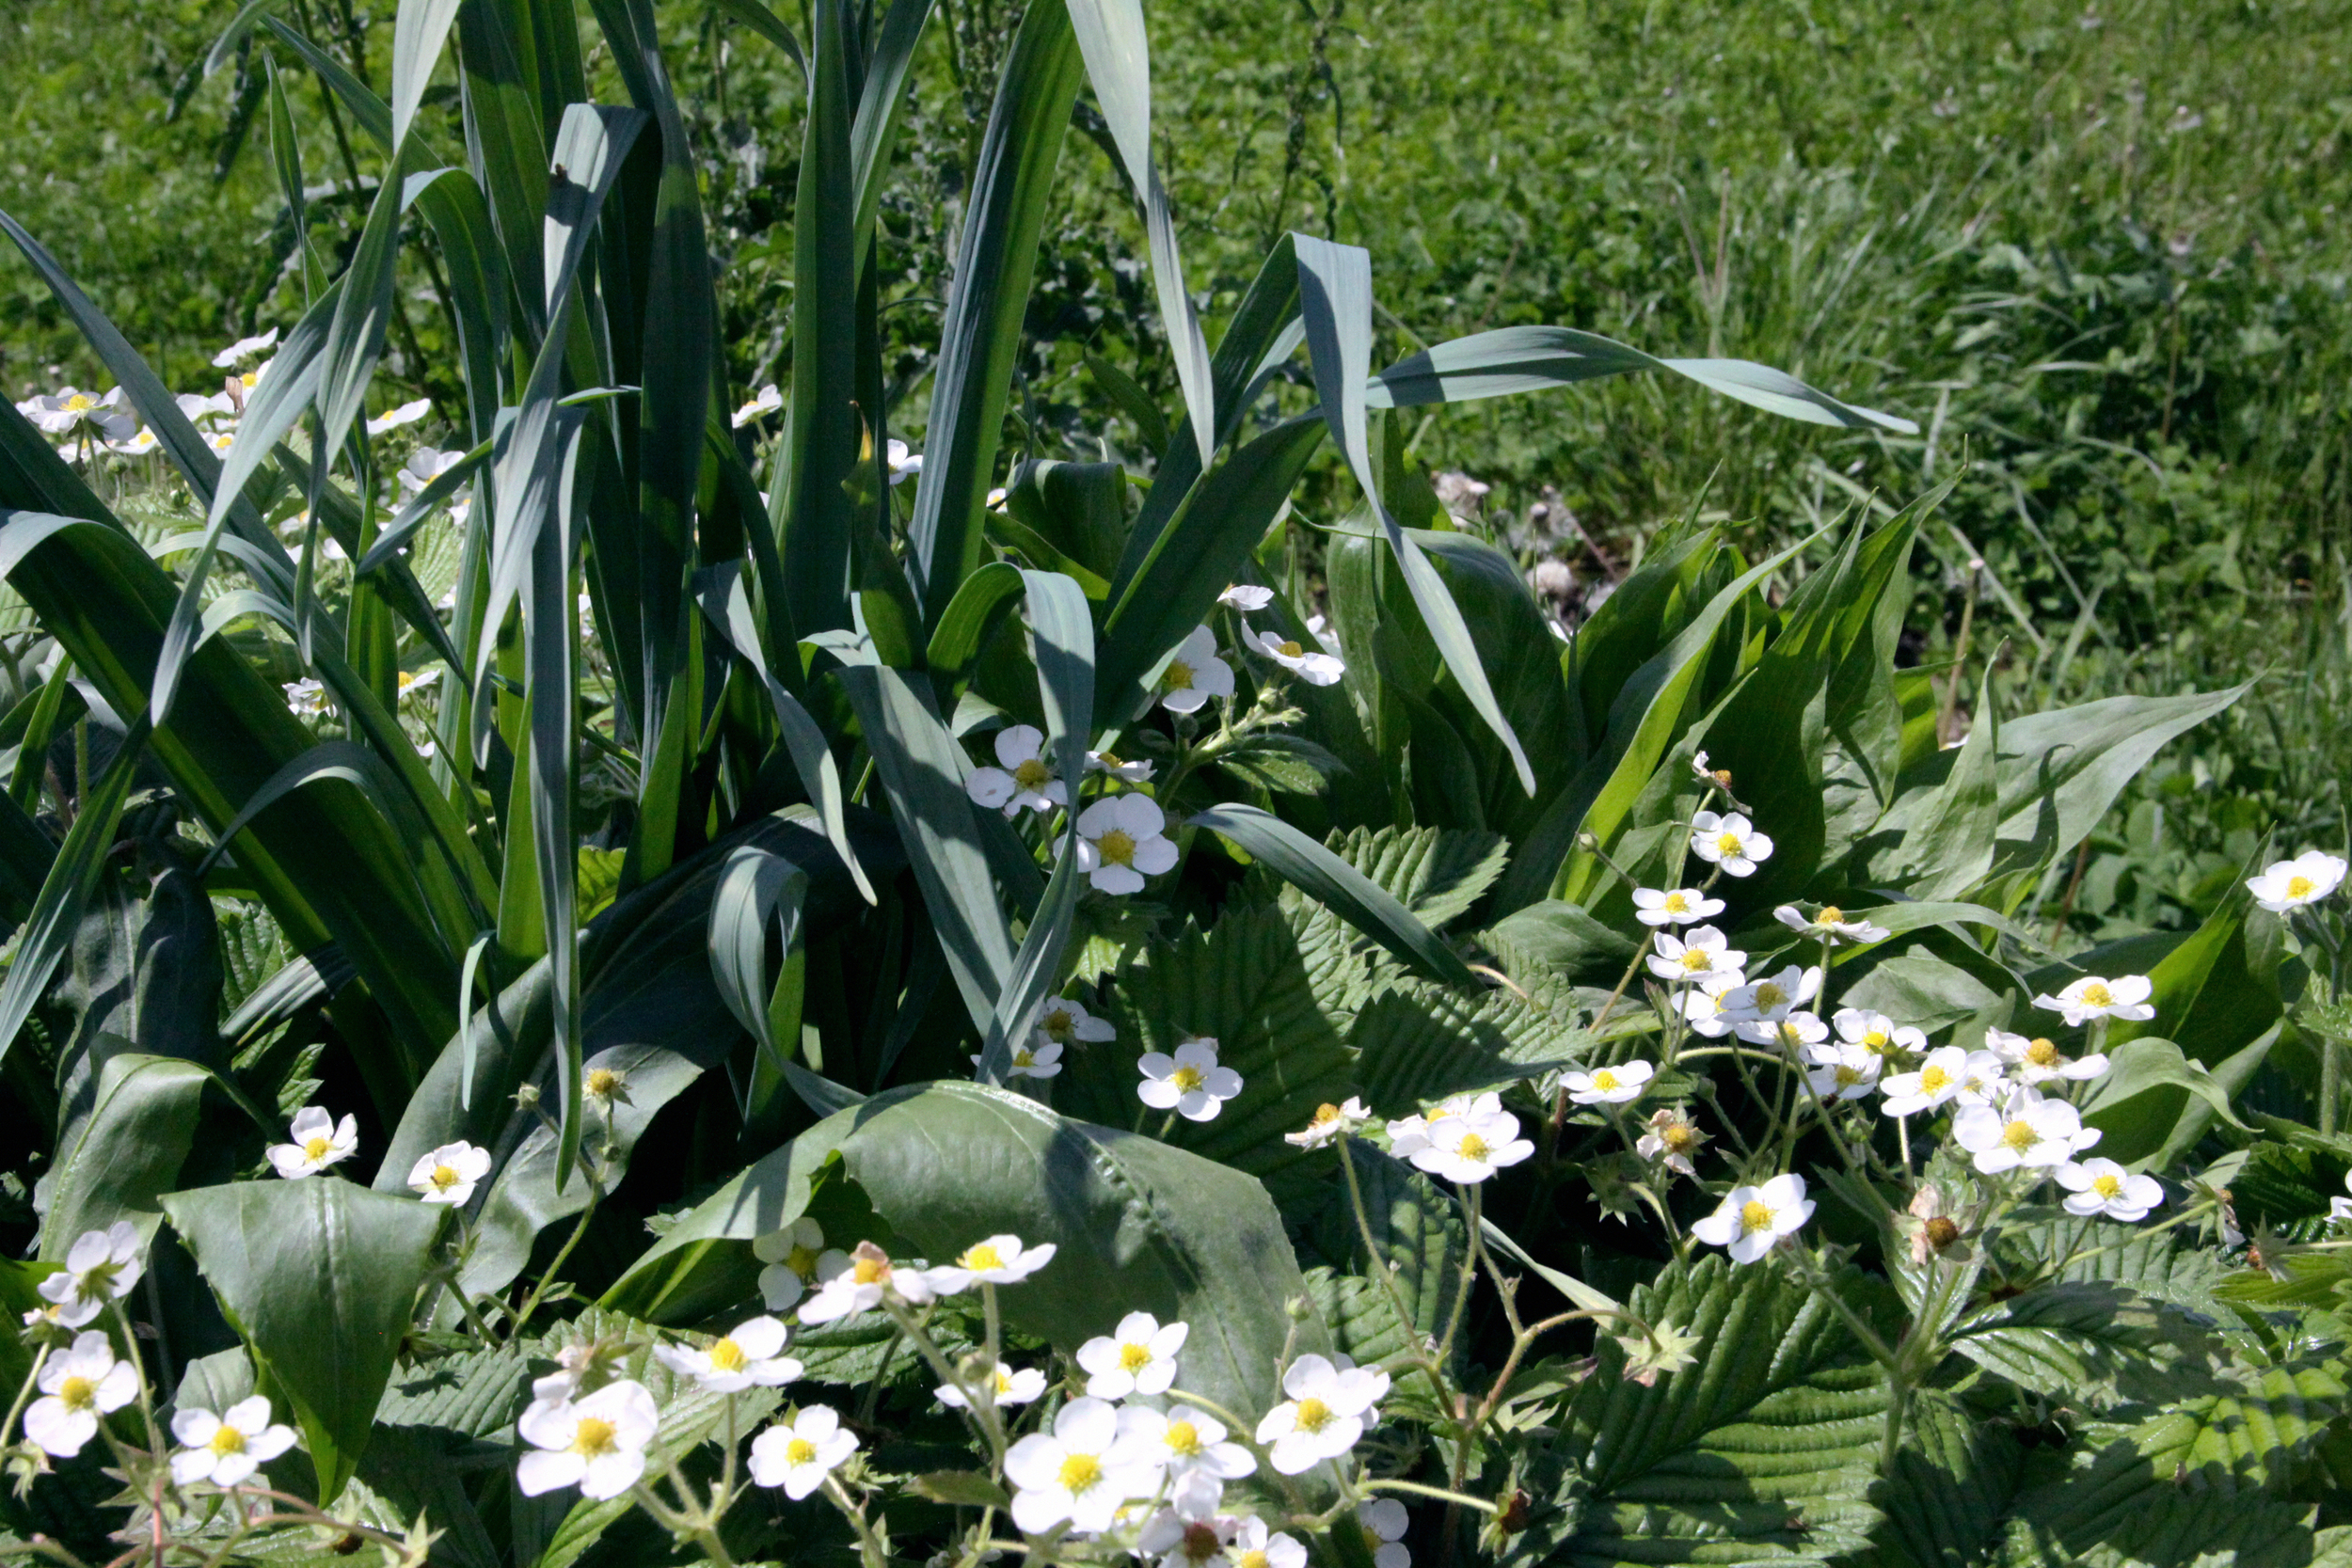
(418, 32)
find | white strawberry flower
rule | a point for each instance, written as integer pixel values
(77, 1387)
(1702, 1006)
(1012, 1387)
(2091, 997)
(747, 1356)
(449, 1174)
(2103, 1187)
(1383, 1520)
(1468, 1149)
(319, 1141)
(200, 410)
(1255, 1547)
(905, 464)
(1696, 955)
(1830, 925)
(422, 467)
(766, 401)
(799, 1455)
(1753, 1219)
(1673, 906)
(1309, 665)
(1118, 767)
(1328, 1412)
(1185, 1440)
(997, 1260)
(100, 1267)
(1774, 997)
(1190, 1082)
(860, 1281)
(1194, 673)
(307, 698)
(1136, 1358)
(1189, 1533)
(138, 445)
(393, 419)
(2026, 1131)
(2338, 1208)
(1935, 1081)
(1323, 631)
(1329, 1123)
(1411, 1133)
(1731, 842)
(1025, 780)
(243, 349)
(1609, 1086)
(1792, 1033)
(228, 1447)
(1875, 1031)
(1080, 1472)
(793, 1256)
(1122, 840)
(1033, 1061)
(1064, 1022)
(62, 413)
(2038, 1060)
(1246, 596)
(1671, 1140)
(597, 1443)
(2288, 885)
(1843, 1071)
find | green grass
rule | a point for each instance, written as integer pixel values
(2099, 258)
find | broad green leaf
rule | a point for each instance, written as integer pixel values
(1533, 358)
(1949, 1490)
(1329, 880)
(1408, 1228)
(418, 30)
(1762, 1451)
(1559, 939)
(2146, 1091)
(1138, 1225)
(1244, 984)
(880, 102)
(1335, 291)
(129, 1150)
(1417, 1044)
(1437, 873)
(1010, 183)
(2061, 770)
(2076, 1340)
(1947, 831)
(319, 1276)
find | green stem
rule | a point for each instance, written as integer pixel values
(530, 1302)
(869, 1546)
(32, 1376)
(1460, 1498)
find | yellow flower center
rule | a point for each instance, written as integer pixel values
(1474, 1147)
(1250, 1559)
(1727, 842)
(2109, 1187)
(1680, 1137)
(601, 1081)
(79, 1393)
(981, 1257)
(1755, 1216)
(1079, 1472)
(1830, 915)
(1058, 1024)
(799, 1452)
(593, 1438)
(1676, 904)
(1033, 774)
(2020, 1136)
(1768, 994)
(2097, 995)
(1004, 1382)
(316, 1148)
(1183, 1439)
(802, 1261)
(1697, 960)
(1179, 678)
(1133, 1358)
(869, 1271)
(443, 1179)
(1876, 1040)
(1313, 1414)
(407, 679)
(228, 1440)
(2299, 887)
(1118, 847)
(1185, 1078)
(1291, 650)
(2042, 1053)
(1021, 1056)
(1605, 1081)
(1325, 1114)
(727, 1357)
(77, 403)
(1934, 1080)
(1848, 1076)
